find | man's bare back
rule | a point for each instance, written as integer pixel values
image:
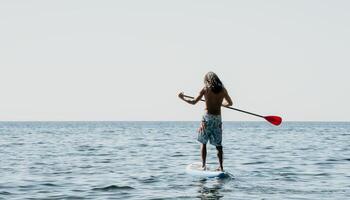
(214, 101)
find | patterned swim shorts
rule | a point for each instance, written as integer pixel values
(212, 130)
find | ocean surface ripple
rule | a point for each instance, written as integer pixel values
(147, 160)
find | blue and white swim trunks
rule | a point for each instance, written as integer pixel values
(212, 130)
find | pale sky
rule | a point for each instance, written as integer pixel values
(127, 60)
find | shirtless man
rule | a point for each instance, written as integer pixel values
(211, 126)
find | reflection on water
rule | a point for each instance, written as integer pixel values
(210, 188)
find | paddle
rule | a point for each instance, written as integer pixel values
(275, 120)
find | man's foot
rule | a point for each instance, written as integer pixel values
(219, 169)
(204, 168)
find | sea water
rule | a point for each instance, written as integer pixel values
(147, 160)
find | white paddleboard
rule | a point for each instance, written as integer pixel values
(195, 169)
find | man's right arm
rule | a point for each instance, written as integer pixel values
(228, 100)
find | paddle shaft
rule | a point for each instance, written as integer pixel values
(239, 110)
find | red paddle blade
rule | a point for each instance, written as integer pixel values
(275, 120)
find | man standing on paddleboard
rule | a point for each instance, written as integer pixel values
(210, 128)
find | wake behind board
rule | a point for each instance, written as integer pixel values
(195, 169)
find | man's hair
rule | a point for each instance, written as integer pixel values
(212, 82)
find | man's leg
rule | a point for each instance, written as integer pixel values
(204, 154)
(220, 156)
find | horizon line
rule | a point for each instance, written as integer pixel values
(162, 121)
